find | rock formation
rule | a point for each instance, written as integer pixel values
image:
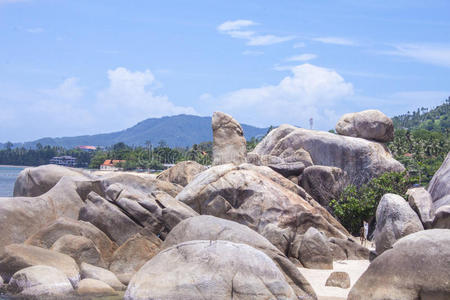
(229, 145)
(182, 173)
(420, 201)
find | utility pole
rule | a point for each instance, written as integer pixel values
(311, 122)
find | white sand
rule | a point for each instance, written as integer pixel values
(317, 278)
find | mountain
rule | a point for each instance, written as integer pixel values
(176, 131)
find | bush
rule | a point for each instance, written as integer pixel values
(356, 205)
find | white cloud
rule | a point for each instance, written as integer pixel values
(335, 41)
(35, 30)
(302, 57)
(252, 53)
(68, 89)
(233, 29)
(306, 93)
(433, 54)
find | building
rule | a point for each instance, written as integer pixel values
(111, 165)
(67, 161)
(87, 148)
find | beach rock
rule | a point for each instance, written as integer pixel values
(395, 219)
(132, 255)
(39, 282)
(442, 217)
(314, 252)
(93, 287)
(420, 201)
(79, 248)
(439, 186)
(441, 202)
(36, 181)
(141, 215)
(324, 183)
(108, 218)
(48, 235)
(108, 277)
(417, 267)
(361, 159)
(229, 145)
(338, 279)
(18, 256)
(221, 268)
(288, 163)
(337, 252)
(210, 228)
(368, 124)
(182, 173)
(350, 248)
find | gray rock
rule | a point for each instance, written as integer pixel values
(420, 201)
(324, 183)
(213, 229)
(442, 217)
(182, 173)
(351, 249)
(40, 282)
(361, 159)
(441, 202)
(79, 248)
(439, 186)
(338, 279)
(314, 252)
(17, 257)
(229, 145)
(368, 124)
(108, 277)
(93, 287)
(220, 268)
(395, 219)
(417, 267)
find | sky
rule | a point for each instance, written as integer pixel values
(80, 67)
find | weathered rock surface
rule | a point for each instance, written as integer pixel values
(420, 201)
(347, 249)
(17, 257)
(417, 267)
(361, 159)
(39, 282)
(182, 173)
(229, 145)
(338, 279)
(48, 235)
(395, 219)
(324, 183)
(220, 268)
(368, 124)
(213, 229)
(108, 277)
(93, 287)
(79, 248)
(36, 181)
(314, 252)
(442, 217)
(439, 186)
(132, 255)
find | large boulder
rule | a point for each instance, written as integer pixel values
(249, 196)
(342, 249)
(324, 183)
(202, 269)
(18, 256)
(40, 282)
(229, 145)
(314, 252)
(213, 229)
(79, 248)
(442, 217)
(48, 235)
(420, 201)
(182, 173)
(439, 186)
(132, 255)
(395, 219)
(93, 287)
(108, 277)
(361, 159)
(338, 279)
(417, 267)
(36, 181)
(368, 124)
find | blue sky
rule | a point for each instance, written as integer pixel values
(83, 67)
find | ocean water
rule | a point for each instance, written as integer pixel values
(8, 175)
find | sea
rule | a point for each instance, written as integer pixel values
(8, 175)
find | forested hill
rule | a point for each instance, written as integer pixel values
(436, 119)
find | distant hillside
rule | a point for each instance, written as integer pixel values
(176, 131)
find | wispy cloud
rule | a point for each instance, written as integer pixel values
(236, 29)
(35, 30)
(433, 54)
(252, 53)
(335, 41)
(302, 57)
